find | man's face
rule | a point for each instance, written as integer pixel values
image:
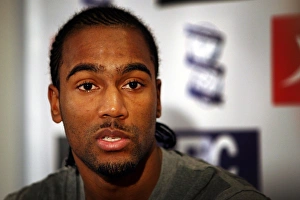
(109, 98)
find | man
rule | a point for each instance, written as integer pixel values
(105, 90)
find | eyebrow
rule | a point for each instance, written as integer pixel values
(99, 68)
(85, 67)
(136, 66)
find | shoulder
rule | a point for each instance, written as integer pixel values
(51, 187)
(202, 180)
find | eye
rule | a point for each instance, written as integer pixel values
(133, 85)
(87, 87)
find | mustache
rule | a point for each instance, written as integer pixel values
(114, 124)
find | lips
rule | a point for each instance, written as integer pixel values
(112, 140)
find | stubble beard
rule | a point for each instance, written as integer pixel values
(117, 169)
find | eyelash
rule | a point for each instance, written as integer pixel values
(94, 87)
(139, 84)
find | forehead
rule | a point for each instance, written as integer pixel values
(106, 46)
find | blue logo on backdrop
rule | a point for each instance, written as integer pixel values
(235, 151)
(203, 49)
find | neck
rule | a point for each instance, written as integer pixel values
(137, 185)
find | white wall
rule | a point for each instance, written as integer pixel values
(11, 94)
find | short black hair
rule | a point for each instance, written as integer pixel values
(94, 16)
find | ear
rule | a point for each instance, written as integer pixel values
(158, 106)
(53, 97)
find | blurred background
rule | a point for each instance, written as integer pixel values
(230, 73)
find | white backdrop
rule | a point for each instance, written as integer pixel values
(247, 59)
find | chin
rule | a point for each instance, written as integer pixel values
(116, 169)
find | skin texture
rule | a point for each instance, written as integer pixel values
(108, 88)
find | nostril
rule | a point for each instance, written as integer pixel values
(116, 109)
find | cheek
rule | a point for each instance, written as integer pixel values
(144, 107)
(76, 105)
(75, 115)
(143, 114)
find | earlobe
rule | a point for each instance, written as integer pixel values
(53, 97)
(158, 90)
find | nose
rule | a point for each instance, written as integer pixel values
(112, 104)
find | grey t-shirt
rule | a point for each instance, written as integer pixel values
(182, 177)
(185, 178)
